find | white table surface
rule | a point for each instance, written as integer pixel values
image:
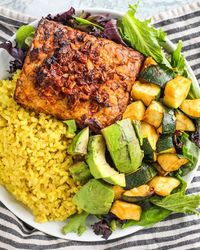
(38, 8)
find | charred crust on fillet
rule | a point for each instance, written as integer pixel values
(34, 54)
(73, 75)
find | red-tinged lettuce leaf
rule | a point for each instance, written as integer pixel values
(17, 53)
(64, 17)
(195, 136)
(102, 228)
(98, 25)
(111, 32)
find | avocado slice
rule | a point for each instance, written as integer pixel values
(71, 128)
(123, 146)
(80, 172)
(95, 197)
(79, 143)
(96, 160)
(118, 179)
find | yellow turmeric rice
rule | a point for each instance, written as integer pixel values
(34, 165)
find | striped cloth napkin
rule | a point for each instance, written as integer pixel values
(177, 231)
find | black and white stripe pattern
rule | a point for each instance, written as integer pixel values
(10, 22)
(177, 231)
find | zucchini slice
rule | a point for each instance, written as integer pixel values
(150, 138)
(161, 171)
(159, 130)
(149, 153)
(176, 91)
(140, 177)
(183, 123)
(126, 211)
(135, 111)
(191, 107)
(165, 144)
(146, 92)
(138, 193)
(154, 114)
(148, 62)
(171, 162)
(118, 191)
(157, 74)
(163, 185)
(148, 131)
(168, 122)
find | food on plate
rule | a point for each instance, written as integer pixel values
(130, 111)
(191, 108)
(146, 92)
(70, 74)
(176, 91)
(123, 145)
(184, 123)
(98, 121)
(34, 164)
(163, 185)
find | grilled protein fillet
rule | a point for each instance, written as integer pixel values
(73, 75)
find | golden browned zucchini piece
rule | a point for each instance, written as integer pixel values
(118, 191)
(70, 74)
(146, 92)
(171, 162)
(135, 111)
(154, 114)
(183, 123)
(191, 107)
(176, 91)
(148, 62)
(163, 185)
(126, 211)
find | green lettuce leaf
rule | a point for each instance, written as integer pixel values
(87, 22)
(178, 203)
(24, 36)
(189, 151)
(178, 60)
(149, 217)
(143, 37)
(182, 187)
(76, 224)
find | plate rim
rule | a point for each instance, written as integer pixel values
(169, 46)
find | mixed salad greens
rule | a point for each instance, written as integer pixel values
(131, 172)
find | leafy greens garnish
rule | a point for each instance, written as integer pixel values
(178, 60)
(17, 53)
(149, 217)
(189, 151)
(76, 224)
(195, 136)
(23, 36)
(143, 37)
(87, 22)
(178, 203)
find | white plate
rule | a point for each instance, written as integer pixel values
(54, 228)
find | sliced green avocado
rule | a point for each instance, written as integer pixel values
(96, 160)
(79, 143)
(95, 197)
(123, 146)
(118, 179)
(71, 128)
(98, 165)
(80, 172)
(138, 131)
